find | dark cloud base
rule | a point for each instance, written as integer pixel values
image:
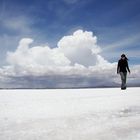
(57, 81)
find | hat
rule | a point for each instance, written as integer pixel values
(123, 55)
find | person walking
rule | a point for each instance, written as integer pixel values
(122, 69)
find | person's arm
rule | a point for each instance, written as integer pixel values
(127, 67)
(118, 67)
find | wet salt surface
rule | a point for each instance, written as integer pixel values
(78, 114)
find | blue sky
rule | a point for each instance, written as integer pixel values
(59, 25)
(115, 23)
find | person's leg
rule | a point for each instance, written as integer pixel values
(123, 79)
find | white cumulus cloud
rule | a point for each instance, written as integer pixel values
(75, 62)
(81, 48)
(74, 52)
(34, 58)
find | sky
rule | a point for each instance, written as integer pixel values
(67, 37)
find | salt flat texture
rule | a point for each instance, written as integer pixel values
(70, 114)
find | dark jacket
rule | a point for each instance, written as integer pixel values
(122, 66)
